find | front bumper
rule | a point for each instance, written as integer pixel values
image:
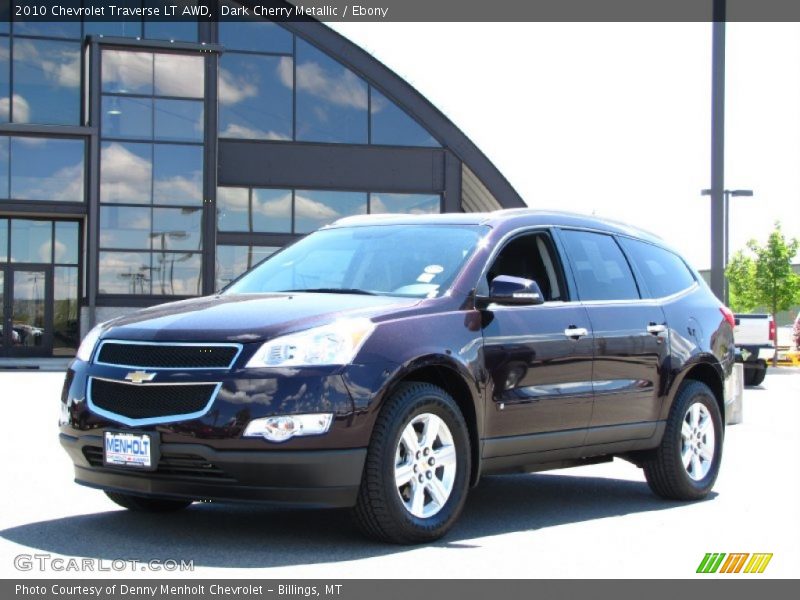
(321, 478)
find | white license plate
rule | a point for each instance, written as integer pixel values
(128, 450)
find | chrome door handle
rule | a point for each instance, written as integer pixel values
(576, 332)
(655, 328)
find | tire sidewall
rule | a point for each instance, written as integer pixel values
(692, 395)
(443, 407)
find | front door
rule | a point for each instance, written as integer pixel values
(27, 301)
(539, 358)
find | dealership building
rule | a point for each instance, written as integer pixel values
(144, 162)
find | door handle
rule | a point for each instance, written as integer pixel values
(576, 332)
(656, 328)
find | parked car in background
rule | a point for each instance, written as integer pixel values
(386, 362)
(755, 338)
(796, 332)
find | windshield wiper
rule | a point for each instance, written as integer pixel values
(334, 291)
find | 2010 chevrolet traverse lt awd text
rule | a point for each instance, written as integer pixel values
(385, 362)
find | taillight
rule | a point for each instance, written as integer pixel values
(772, 330)
(728, 314)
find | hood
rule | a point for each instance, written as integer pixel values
(248, 317)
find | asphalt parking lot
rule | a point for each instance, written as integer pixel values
(599, 521)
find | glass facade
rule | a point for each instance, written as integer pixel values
(151, 188)
(112, 187)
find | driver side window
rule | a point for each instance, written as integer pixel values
(532, 256)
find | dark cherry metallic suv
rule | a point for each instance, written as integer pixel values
(385, 362)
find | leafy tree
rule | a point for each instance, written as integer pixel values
(763, 275)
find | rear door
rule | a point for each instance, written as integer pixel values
(539, 358)
(630, 339)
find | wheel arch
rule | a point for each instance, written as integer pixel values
(707, 372)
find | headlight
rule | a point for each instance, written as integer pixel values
(284, 427)
(334, 344)
(89, 342)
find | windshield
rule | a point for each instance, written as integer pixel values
(395, 260)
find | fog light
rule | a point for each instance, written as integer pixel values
(284, 427)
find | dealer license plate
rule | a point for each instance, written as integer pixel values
(124, 449)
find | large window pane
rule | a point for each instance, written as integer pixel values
(3, 167)
(125, 227)
(415, 204)
(313, 209)
(66, 334)
(233, 209)
(178, 120)
(177, 228)
(127, 117)
(47, 78)
(272, 210)
(66, 246)
(331, 100)
(47, 169)
(3, 241)
(125, 173)
(127, 72)
(664, 273)
(176, 274)
(124, 273)
(5, 80)
(179, 75)
(31, 241)
(255, 97)
(256, 35)
(392, 126)
(232, 261)
(177, 174)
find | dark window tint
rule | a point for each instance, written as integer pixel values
(531, 257)
(600, 268)
(663, 272)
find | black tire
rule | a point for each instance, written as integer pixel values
(151, 505)
(758, 375)
(749, 376)
(664, 468)
(380, 512)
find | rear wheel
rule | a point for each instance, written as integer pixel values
(686, 464)
(759, 375)
(142, 504)
(417, 470)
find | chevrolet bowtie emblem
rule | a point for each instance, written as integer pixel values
(140, 376)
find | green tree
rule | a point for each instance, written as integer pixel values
(763, 276)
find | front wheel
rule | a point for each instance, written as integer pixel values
(417, 469)
(686, 464)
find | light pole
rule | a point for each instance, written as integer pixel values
(726, 210)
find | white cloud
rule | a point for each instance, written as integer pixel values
(125, 176)
(235, 88)
(235, 130)
(311, 209)
(62, 68)
(22, 110)
(66, 184)
(346, 90)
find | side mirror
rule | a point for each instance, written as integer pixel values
(514, 291)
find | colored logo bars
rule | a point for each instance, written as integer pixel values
(718, 563)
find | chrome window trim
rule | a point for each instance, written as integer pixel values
(239, 348)
(149, 420)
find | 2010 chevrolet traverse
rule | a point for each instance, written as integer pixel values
(384, 363)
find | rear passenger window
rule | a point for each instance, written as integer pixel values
(600, 268)
(663, 272)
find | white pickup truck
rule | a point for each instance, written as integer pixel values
(754, 336)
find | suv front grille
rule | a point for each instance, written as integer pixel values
(150, 401)
(176, 465)
(144, 355)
